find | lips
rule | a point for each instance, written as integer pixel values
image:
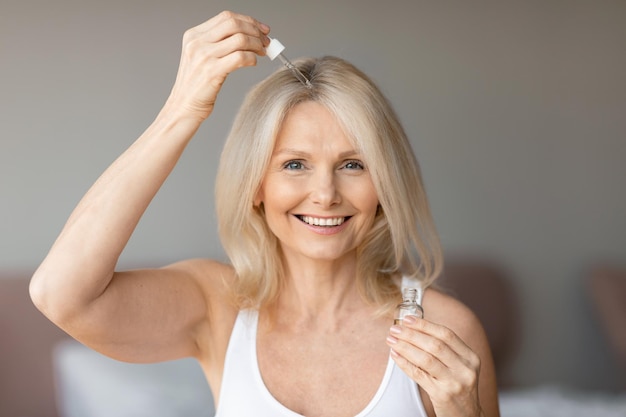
(323, 221)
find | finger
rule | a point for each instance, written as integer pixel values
(423, 348)
(210, 44)
(436, 357)
(416, 357)
(435, 338)
(221, 68)
(429, 370)
(238, 42)
(227, 24)
(231, 27)
(418, 375)
(239, 59)
(226, 16)
(433, 385)
(442, 391)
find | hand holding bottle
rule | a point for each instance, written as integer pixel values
(440, 363)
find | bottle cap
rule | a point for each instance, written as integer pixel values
(274, 48)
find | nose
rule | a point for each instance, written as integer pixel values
(324, 190)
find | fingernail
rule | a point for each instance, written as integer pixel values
(264, 27)
(395, 329)
(409, 319)
(392, 340)
(394, 353)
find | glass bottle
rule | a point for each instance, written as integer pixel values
(409, 306)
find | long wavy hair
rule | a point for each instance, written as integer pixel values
(403, 239)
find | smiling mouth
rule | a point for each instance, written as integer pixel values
(325, 222)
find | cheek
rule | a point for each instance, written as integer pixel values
(364, 195)
(279, 196)
(372, 199)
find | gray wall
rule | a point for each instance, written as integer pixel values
(516, 109)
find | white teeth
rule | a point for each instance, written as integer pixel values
(323, 222)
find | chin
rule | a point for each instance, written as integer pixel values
(324, 254)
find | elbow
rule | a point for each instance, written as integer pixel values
(39, 295)
(50, 299)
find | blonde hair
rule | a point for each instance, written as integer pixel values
(403, 239)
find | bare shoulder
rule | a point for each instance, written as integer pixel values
(447, 311)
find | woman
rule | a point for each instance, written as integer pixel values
(321, 211)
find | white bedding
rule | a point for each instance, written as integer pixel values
(554, 401)
(92, 385)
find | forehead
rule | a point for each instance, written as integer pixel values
(311, 125)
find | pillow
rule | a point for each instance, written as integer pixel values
(92, 385)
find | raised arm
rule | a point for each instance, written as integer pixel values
(144, 315)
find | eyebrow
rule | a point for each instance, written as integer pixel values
(302, 154)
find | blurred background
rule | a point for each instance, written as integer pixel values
(516, 111)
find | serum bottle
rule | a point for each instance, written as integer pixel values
(409, 306)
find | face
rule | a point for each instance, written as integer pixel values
(318, 197)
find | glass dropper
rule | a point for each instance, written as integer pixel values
(275, 49)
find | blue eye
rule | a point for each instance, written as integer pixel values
(354, 165)
(294, 165)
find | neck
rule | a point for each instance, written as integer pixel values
(319, 291)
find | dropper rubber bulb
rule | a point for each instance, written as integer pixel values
(275, 49)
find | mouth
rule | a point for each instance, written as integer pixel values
(323, 222)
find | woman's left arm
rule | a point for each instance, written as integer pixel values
(449, 357)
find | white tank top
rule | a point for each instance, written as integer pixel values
(243, 392)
